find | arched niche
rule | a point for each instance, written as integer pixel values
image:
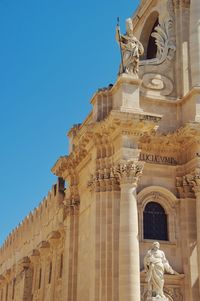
(164, 198)
(148, 42)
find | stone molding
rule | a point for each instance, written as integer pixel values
(141, 123)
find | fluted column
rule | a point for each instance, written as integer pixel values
(129, 263)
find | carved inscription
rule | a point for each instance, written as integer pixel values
(157, 159)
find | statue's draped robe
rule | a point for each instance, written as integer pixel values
(156, 264)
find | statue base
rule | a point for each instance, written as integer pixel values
(126, 94)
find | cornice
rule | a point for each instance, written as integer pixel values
(111, 89)
(136, 124)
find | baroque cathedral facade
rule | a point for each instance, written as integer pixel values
(133, 177)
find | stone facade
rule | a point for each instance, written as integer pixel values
(139, 147)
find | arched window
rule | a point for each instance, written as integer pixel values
(154, 222)
(150, 47)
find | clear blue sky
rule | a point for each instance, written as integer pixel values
(54, 55)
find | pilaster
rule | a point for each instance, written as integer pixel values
(54, 239)
(44, 248)
(72, 202)
(105, 194)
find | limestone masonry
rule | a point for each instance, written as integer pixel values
(132, 177)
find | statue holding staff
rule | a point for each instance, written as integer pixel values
(131, 49)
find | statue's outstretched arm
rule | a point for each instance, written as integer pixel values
(167, 266)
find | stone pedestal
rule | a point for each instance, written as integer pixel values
(126, 94)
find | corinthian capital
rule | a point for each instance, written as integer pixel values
(128, 172)
(194, 180)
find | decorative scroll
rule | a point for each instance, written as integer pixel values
(157, 84)
(164, 35)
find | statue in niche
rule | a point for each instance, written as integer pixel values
(131, 50)
(155, 265)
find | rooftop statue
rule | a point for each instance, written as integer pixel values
(131, 49)
(155, 265)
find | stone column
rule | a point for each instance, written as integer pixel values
(129, 263)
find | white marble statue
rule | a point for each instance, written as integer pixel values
(155, 265)
(131, 49)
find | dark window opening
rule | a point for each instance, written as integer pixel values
(152, 47)
(61, 265)
(40, 278)
(155, 222)
(6, 292)
(13, 289)
(50, 271)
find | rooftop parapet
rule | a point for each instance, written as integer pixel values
(35, 225)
